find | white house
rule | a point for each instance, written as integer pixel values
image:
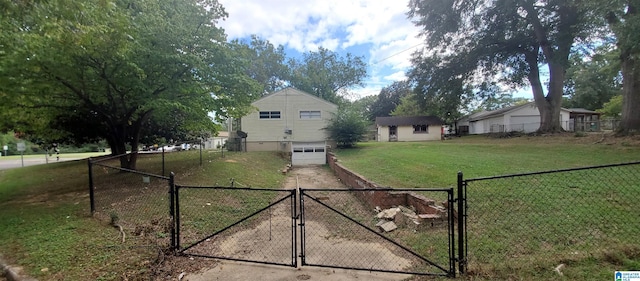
(521, 118)
(409, 128)
(292, 121)
(216, 142)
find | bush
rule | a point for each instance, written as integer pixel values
(347, 127)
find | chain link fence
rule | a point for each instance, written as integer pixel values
(245, 224)
(405, 231)
(540, 222)
(135, 202)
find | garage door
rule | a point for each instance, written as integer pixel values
(525, 123)
(308, 154)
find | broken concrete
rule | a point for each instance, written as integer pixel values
(388, 214)
(387, 226)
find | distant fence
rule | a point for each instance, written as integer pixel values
(541, 220)
(571, 126)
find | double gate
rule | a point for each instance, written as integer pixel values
(386, 230)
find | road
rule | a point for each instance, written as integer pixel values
(12, 162)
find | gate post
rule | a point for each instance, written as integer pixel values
(462, 201)
(172, 210)
(91, 195)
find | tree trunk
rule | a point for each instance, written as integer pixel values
(630, 123)
(549, 106)
(118, 143)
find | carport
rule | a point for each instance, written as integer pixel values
(308, 153)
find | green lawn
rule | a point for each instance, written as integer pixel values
(46, 225)
(47, 228)
(521, 228)
(436, 164)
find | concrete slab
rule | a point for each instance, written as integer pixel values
(230, 270)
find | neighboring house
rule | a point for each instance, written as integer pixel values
(521, 118)
(409, 128)
(584, 120)
(217, 141)
(293, 121)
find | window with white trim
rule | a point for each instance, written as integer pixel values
(310, 114)
(269, 114)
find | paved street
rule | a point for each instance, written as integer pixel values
(13, 162)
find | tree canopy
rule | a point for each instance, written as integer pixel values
(389, 98)
(623, 19)
(593, 79)
(265, 63)
(79, 70)
(472, 45)
(326, 74)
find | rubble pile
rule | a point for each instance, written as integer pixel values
(392, 218)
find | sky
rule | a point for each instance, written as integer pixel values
(377, 30)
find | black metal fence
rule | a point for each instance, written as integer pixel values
(491, 226)
(242, 224)
(387, 230)
(137, 202)
(536, 223)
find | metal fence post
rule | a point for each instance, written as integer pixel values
(172, 210)
(163, 161)
(91, 195)
(461, 227)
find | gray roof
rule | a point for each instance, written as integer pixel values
(408, 120)
(582, 110)
(488, 114)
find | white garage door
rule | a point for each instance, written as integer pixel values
(527, 124)
(308, 154)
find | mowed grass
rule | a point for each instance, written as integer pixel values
(46, 226)
(522, 228)
(436, 164)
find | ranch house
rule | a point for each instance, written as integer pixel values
(290, 121)
(409, 128)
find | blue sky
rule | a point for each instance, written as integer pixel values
(377, 30)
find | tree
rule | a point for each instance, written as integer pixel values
(593, 79)
(364, 105)
(101, 69)
(502, 41)
(265, 63)
(437, 89)
(409, 106)
(347, 126)
(623, 19)
(612, 108)
(501, 101)
(327, 75)
(389, 98)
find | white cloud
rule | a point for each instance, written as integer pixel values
(334, 25)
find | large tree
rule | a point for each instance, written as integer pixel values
(593, 79)
(389, 98)
(503, 41)
(103, 69)
(266, 63)
(623, 18)
(326, 74)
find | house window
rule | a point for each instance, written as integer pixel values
(269, 114)
(310, 114)
(420, 129)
